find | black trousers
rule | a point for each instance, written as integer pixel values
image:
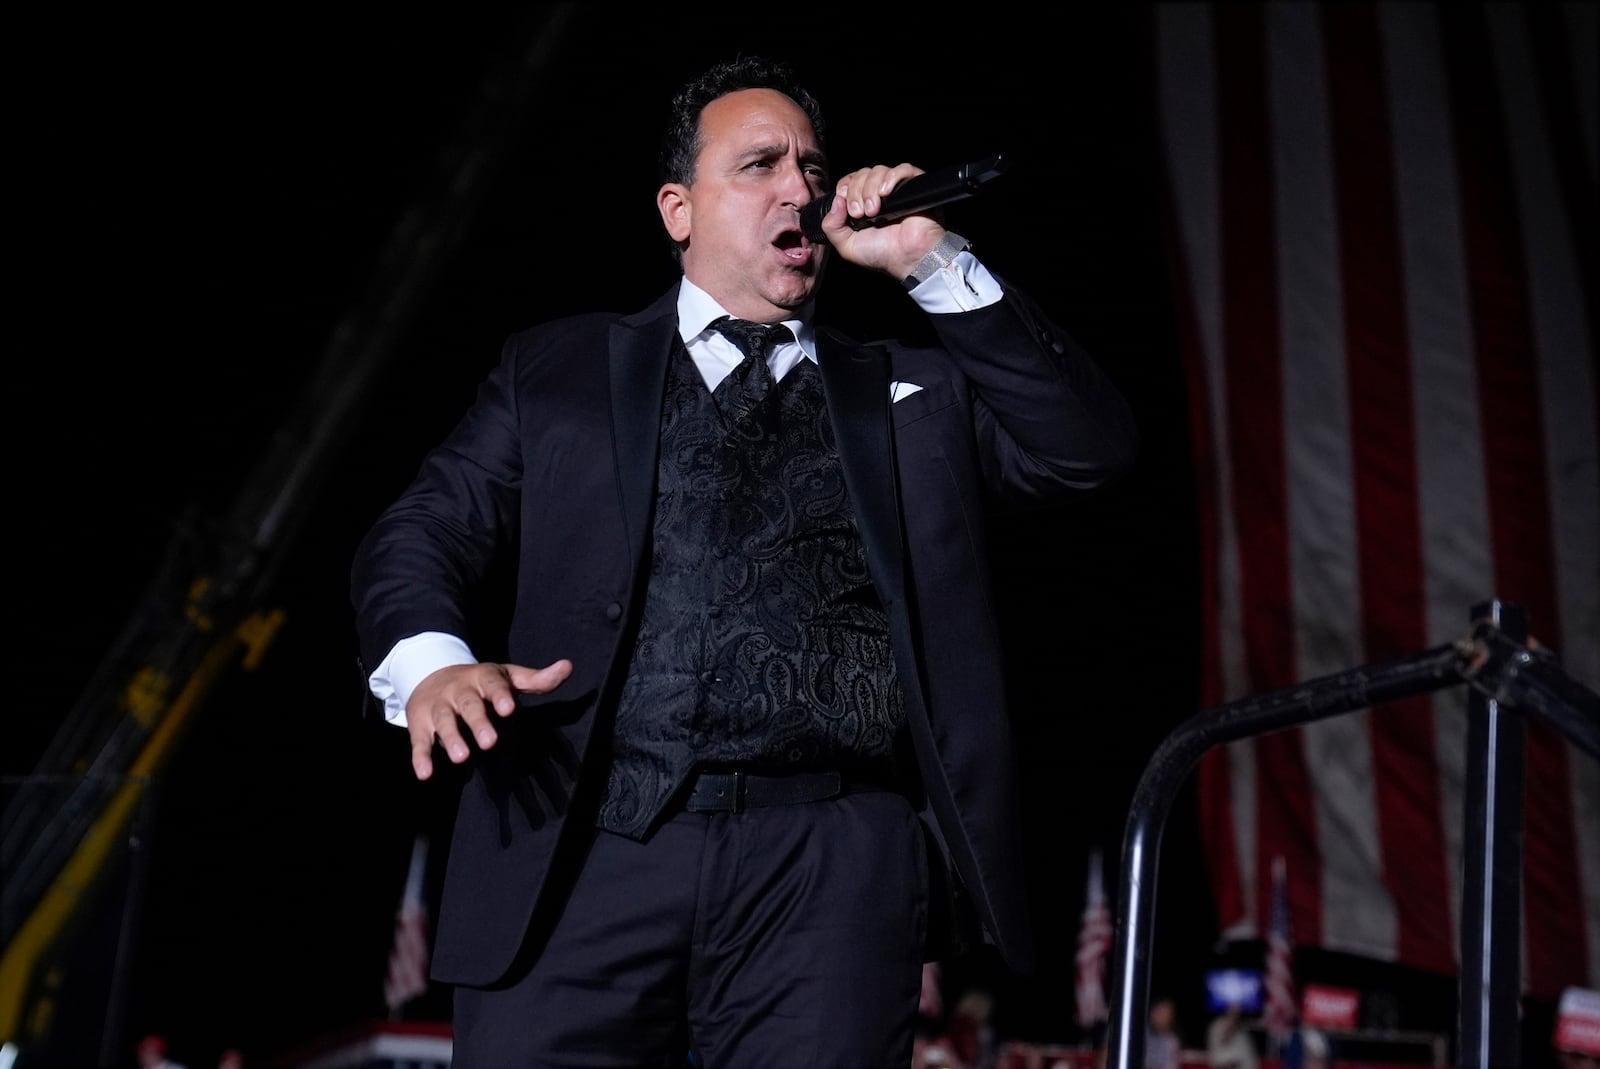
(781, 936)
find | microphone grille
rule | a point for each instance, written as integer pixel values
(811, 218)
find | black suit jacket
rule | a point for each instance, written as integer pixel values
(555, 464)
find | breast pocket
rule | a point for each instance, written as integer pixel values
(922, 403)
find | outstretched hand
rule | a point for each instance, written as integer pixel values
(461, 696)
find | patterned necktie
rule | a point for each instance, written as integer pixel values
(751, 382)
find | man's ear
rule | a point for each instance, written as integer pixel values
(672, 200)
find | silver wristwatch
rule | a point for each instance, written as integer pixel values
(939, 257)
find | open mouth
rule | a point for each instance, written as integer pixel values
(794, 246)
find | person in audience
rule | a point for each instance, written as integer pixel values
(1161, 1043)
(152, 1054)
(1228, 1042)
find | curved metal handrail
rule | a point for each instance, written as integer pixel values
(1503, 668)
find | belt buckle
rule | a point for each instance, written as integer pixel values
(740, 787)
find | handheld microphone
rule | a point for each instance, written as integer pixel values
(919, 193)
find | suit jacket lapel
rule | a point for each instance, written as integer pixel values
(855, 380)
(640, 348)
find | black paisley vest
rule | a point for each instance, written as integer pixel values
(762, 644)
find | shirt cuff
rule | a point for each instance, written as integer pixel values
(410, 662)
(964, 286)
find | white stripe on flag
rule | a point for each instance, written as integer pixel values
(1322, 535)
(1452, 499)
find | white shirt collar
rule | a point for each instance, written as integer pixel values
(697, 309)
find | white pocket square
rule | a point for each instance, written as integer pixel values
(899, 391)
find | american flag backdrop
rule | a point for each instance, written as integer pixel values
(1385, 258)
(408, 957)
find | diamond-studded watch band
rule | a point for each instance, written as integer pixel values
(939, 257)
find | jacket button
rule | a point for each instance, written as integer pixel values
(613, 612)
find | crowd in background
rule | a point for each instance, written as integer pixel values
(152, 1053)
(963, 1035)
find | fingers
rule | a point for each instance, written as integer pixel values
(536, 680)
(862, 192)
(453, 704)
(421, 751)
(893, 248)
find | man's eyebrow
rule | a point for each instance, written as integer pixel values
(764, 152)
(808, 157)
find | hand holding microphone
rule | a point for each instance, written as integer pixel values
(919, 193)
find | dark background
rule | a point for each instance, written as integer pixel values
(205, 199)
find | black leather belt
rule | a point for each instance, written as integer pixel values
(733, 792)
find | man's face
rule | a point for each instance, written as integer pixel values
(759, 164)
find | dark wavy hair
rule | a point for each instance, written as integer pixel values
(680, 141)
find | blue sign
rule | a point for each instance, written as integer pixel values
(1233, 989)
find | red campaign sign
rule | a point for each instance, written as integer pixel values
(1329, 1007)
(1578, 1021)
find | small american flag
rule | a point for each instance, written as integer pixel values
(408, 959)
(1280, 1012)
(930, 1003)
(1094, 943)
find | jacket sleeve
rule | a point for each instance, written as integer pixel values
(1046, 416)
(416, 567)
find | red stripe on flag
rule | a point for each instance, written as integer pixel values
(1557, 953)
(1214, 792)
(1558, 96)
(1254, 387)
(1254, 377)
(1517, 482)
(1213, 779)
(1387, 507)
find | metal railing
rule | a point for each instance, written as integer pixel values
(1508, 676)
